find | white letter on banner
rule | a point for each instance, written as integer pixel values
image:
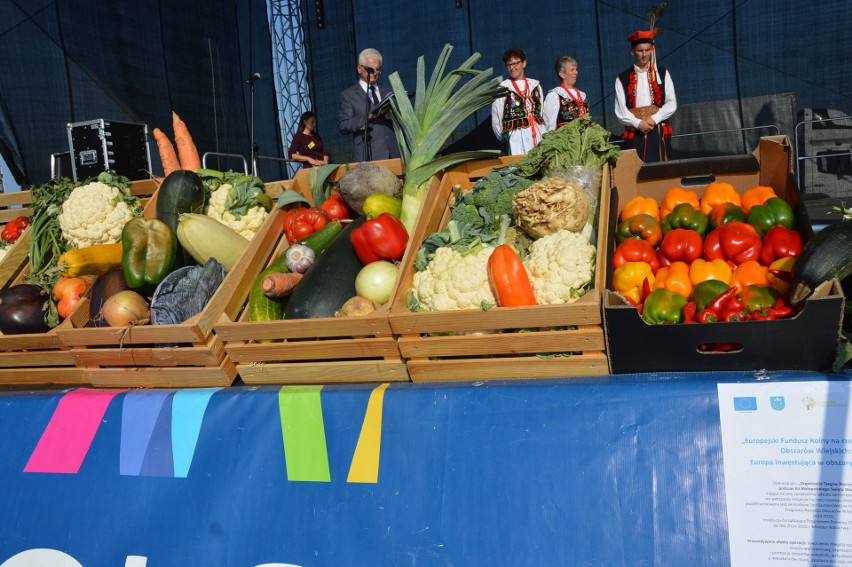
(41, 558)
(136, 561)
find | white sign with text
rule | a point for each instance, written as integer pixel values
(787, 450)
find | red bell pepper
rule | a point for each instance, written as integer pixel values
(301, 223)
(14, 229)
(780, 242)
(735, 242)
(635, 250)
(680, 245)
(381, 238)
(336, 207)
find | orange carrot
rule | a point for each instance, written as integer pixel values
(186, 150)
(167, 152)
(280, 284)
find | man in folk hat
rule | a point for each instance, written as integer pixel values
(645, 100)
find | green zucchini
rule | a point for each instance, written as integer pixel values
(180, 192)
(262, 308)
(827, 255)
(329, 282)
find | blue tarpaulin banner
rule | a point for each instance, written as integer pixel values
(566, 472)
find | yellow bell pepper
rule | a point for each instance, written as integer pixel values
(749, 273)
(629, 278)
(702, 270)
(674, 277)
(641, 206)
(718, 193)
(674, 197)
(784, 265)
(757, 196)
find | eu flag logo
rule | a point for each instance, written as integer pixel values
(745, 404)
(777, 402)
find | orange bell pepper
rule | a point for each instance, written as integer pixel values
(675, 278)
(785, 264)
(674, 197)
(702, 270)
(508, 277)
(757, 196)
(750, 273)
(717, 193)
(628, 280)
(641, 206)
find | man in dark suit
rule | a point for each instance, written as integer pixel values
(379, 140)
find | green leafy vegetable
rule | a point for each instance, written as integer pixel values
(424, 128)
(580, 142)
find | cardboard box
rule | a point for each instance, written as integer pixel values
(452, 346)
(806, 342)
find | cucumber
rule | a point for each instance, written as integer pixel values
(827, 255)
(329, 282)
(262, 308)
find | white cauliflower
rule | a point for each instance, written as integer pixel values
(3, 251)
(561, 266)
(247, 225)
(452, 281)
(95, 213)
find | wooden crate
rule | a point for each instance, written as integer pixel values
(310, 351)
(182, 355)
(39, 358)
(506, 355)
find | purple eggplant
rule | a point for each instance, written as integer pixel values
(22, 309)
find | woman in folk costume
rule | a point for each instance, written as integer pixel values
(565, 102)
(645, 100)
(516, 118)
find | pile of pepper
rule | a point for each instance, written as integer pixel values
(720, 257)
(14, 229)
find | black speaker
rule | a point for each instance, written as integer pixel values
(824, 153)
(60, 165)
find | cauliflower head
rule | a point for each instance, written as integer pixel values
(561, 267)
(247, 225)
(453, 281)
(94, 213)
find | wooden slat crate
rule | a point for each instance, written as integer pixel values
(310, 351)
(182, 355)
(39, 358)
(506, 355)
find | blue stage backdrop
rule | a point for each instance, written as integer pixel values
(538, 473)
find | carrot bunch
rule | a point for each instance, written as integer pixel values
(186, 156)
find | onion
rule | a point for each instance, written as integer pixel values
(375, 281)
(125, 308)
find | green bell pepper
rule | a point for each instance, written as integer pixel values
(706, 291)
(148, 252)
(759, 297)
(771, 213)
(725, 213)
(663, 306)
(686, 216)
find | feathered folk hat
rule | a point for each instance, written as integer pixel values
(647, 36)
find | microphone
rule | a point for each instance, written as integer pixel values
(254, 77)
(370, 70)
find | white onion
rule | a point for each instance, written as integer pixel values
(375, 281)
(125, 308)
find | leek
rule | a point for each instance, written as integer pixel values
(439, 108)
